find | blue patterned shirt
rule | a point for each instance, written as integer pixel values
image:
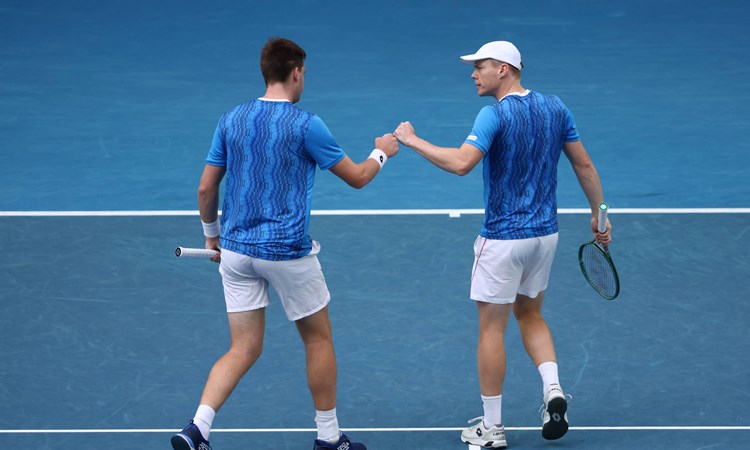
(270, 150)
(521, 137)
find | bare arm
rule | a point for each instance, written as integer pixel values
(459, 161)
(208, 200)
(588, 178)
(356, 175)
(359, 175)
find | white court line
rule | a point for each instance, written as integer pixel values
(373, 212)
(311, 430)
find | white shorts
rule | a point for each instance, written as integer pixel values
(503, 269)
(299, 283)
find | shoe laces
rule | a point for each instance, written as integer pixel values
(476, 419)
(499, 428)
(568, 398)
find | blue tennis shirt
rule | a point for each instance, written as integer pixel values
(521, 137)
(270, 150)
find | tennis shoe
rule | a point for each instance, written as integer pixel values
(190, 438)
(554, 413)
(344, 443)
(484, 437)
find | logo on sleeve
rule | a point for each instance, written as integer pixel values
(471, 138)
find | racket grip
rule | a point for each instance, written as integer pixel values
(194, 252)
(603, 209)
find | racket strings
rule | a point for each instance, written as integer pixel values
(599, 271)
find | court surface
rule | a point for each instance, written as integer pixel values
(107, 111)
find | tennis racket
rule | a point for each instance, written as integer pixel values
(596, 263)
(194, 252)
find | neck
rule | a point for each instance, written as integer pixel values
(279, 91)
(511, 88)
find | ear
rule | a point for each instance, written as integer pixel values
(296, 74)
(503, 70)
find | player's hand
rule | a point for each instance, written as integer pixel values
(388, 144)
(212, 243)
(405, 133)
(602, 238)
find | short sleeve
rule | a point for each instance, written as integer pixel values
(217, 154)
(571, 132)
(485, 128)
(321, 145)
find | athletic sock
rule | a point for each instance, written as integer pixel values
(328, 425)
(203, 419)
(493, 407)
(548, 371)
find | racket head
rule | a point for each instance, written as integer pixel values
(599, 270)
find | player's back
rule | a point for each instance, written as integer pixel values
(521, 166)
(268, 180)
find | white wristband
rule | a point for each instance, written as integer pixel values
(210, 229)
(379, 156)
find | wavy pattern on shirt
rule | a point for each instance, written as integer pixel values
(268, 180)
(520, 168)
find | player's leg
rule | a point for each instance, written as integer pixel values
(537, 339)
(539, 345)
(493, 320)
(246, 296)
(536, 336)
(246, 331)
(535, 333)
(489, 432)
(304, 295)
(316, 334)
(495, 277)
(315, 331)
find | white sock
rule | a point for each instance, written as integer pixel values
(203, 419)
(328, 425)
(493, 407)
(548, 371)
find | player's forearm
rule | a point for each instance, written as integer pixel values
(588, 178)
(443, 157)
(367, 170)
(208, 192)
(208, 203)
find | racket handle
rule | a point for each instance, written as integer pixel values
(194, 252)
(602, 226)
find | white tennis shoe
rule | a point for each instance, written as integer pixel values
(554, 413)
(488, 438)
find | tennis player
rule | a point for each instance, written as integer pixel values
(267, 151)
(519, 138)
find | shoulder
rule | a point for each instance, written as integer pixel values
(489, 111)
(549, 98)
(316, 123)
(242, 107)
(237, 110)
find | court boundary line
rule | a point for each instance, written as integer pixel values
(369, 212)
(312, 430)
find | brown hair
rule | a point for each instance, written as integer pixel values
(278, 58)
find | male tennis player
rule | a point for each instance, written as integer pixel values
(269, 149)
(519, 138)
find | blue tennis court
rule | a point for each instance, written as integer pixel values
(107, 113)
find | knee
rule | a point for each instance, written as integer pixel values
(246, 354)
(528, 317)
(320, 342)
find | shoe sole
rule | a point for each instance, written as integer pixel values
(484, 444)
(180, 443)
(557, 425)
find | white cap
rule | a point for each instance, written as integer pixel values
(499, 50)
